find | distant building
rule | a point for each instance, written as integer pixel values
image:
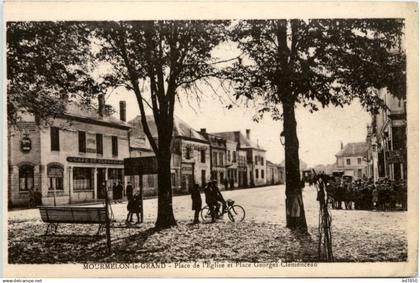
(351, 159)
(274, 173)
(302, 167)
(251, 163)
(67, 158)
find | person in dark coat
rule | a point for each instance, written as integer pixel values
(134, 207)
(130, 198)
(211, 200)
(196, 202)
(118, 191)
(129, 191)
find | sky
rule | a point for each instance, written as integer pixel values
(319, 133)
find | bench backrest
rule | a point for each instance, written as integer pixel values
(72, 214)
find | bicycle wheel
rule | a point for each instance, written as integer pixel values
(205, 214)
(236, 213)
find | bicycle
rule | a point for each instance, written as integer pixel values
(235, 212)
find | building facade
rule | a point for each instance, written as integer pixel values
(68, 158)
(387, 139)
(190, 159)
(251, 159)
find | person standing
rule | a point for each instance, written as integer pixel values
(129, 191)
(119, 190)
(211, 200)
(196, 202)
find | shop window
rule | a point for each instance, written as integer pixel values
(55, 139)
(82, 179)
(115, 176)
(348, 161)
(55, 178)
(99, 144)
(82, 141)
(26, 178)
(114, 146)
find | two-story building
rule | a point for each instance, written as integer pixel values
(218, 160)
(255, 158)
(351, 159)
(190, 160)
(67, 158)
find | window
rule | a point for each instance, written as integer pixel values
(55, 178)
(228, 156)
(82, 141)
(262, 162)
(262, 174)
(99, 144)
(55, 139)
(221, 158)
(256, 174)
(26, 178)
(233, 156)
(215, 158)
(256, 160)
(203, 156)
(348, 162)
(359, 161)
(82, 179)
(222, 177)
(188, 152)
(114, 146)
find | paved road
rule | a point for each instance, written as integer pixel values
(264, 204)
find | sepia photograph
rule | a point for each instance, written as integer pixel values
(209, 145)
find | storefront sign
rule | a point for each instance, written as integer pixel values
(26, 144)
(140, 166)
(94, 160)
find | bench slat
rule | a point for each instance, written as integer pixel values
(72, 214)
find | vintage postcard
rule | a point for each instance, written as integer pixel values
(199, 139)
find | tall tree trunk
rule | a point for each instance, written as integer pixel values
(165, 217)
(295, 213)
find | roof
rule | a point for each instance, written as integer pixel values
(215, 141)
(181, 129)
(240, 138)
(353, 149)
(89, 114)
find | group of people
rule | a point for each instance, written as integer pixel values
(365, 194)
(214, 200)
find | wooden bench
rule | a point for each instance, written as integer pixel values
(54, 215)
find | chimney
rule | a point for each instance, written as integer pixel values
(101, 105)
(203, 130)
(341, 145)
(123, 107)
(248, 134)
